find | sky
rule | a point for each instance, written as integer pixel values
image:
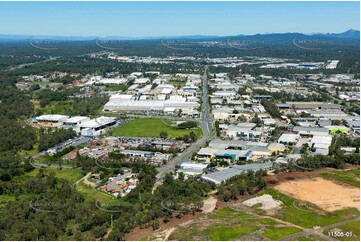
(147, 19)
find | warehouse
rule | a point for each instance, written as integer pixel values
(192, 168)
(321, 144)
(73, 121)
(311, 105)
(288, 138)
(214, 153)
(96, 127)
(223, 175)
(310, 131)
(51, 120)
(123, 102)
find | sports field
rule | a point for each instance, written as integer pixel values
(150, 127)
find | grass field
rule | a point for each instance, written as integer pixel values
(92, 195)
(351, 177)
(227, 224)
(149, 127)
(351, 231)
(308, 216)
(72, 175)
(276, 233)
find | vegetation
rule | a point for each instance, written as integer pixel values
(150, 127)
(49, 138)
(271, 108)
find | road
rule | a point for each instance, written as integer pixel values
(207, 130)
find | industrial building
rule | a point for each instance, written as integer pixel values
(223, 175)
(214, 153)
(308, 105)
(96, 127)
(129, 103)
(51, 120)
(192, 168)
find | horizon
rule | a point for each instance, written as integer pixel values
(175, 19)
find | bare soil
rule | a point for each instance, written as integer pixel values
(325, 194)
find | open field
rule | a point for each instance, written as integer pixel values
(313, 191)
(92, 195)
(308, 215)
(351, 231)
(351, 177)
(150, 127)
(276, 233)
(227, 224)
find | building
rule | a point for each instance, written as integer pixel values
(51, 120)
(288, 138)
(138, 154)
(77, 120)
(223, 175)
(126, 103)
(321, 144)
(96, 127)
(277, 147)
(214, 153)
(192, 168)
(310, 131)
(308, 105)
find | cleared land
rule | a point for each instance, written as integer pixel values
(266, 202)
(325, 194)
(150, 127)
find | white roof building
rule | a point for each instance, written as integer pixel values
(287, 138)
(55, 118)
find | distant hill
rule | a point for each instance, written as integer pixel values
(279, 37)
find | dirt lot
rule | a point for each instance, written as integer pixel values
(266, 201)
(325, 194)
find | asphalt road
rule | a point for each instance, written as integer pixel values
(207, 130)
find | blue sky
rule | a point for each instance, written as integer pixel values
(141, 19)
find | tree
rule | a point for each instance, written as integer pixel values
(163, 134)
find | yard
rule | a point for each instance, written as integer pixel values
(150, 127)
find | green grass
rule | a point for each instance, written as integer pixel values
(72, 175)
(92, 195)
(350, 177)
(308, 216)
(353, 227)
(219, 232)
(58, 107)
(276, 233)
(226, 224)
(149, 127)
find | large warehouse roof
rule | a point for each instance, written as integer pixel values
(224, 175)
(52, 118)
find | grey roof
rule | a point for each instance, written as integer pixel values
(223, 175)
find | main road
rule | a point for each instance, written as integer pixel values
(207, 130)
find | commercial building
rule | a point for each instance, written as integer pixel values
(214, 153)
(192, 168)
(321, 144)
(310, 131)
(223, 175)
(126, 103)
(308, 105)
(51, 120)
(73, 121)
(288, 138)
(96, 127)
